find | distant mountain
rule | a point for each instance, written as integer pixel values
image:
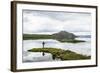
(64, 35)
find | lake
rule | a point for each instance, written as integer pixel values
(81, 48)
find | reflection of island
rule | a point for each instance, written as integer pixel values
(61, 36)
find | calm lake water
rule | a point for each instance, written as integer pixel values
(81, 48)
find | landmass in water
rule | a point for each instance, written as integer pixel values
(61, 54)
(62, 36)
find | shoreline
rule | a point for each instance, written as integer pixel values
(60, 53)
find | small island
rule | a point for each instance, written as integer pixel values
(62, 36)
(61, 54)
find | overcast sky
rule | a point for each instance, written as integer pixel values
(49, 22)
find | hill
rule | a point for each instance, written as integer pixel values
(62, 36)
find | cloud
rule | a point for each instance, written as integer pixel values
(41, 24)
(50, 22)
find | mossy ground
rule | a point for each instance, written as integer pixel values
(62, 54)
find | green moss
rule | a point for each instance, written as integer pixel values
(62, 54)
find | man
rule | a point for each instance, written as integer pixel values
(43, 43)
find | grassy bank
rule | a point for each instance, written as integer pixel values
(62, 54)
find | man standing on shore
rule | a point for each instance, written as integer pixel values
(43, 43)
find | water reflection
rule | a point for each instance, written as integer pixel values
(82, 48)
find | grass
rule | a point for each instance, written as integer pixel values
(62, 54)
(36, 36)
